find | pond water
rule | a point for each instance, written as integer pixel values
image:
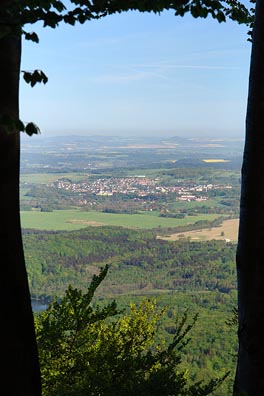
(38, 306)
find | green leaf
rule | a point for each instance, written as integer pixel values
(58, 5)
(70, 19)
(32, 129)
(195, 11)
(31, 36)
(220, 16)
(44, 78)
(37, 76)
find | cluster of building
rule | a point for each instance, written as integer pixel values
(140, 186)
(109, 186)
(193, 193)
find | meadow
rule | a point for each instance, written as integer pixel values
(227, 231)
(44, 178)
(74, 219)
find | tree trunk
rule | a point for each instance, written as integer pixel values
(250, 251)
(18, 351)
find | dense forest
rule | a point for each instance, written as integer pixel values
(137, 260)
(183, 275)
(84, 347)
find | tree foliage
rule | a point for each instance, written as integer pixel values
(137, 261)
(97, 350)
(52, 12)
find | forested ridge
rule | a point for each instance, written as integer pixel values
(138, 261)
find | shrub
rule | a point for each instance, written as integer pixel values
(87, 350)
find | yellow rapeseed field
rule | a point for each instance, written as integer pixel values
(211, 160)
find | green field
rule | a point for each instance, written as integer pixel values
(178, 205)
(44, 178)
(76, 219)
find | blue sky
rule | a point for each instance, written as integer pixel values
(139, 74)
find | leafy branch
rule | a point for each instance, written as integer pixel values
(12, 124)
(32, 78)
